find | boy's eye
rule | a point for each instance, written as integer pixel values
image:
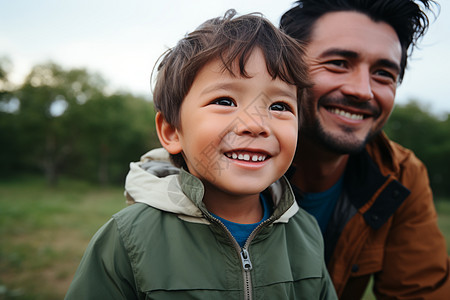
(224, 101)
(280, 106)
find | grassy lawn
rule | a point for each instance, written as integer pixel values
(44, 232)
(443, 209)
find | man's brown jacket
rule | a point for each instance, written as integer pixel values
(385, 225)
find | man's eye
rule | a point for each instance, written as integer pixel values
(337, 63)
(224, 101)
(280, 106)
(386, 74)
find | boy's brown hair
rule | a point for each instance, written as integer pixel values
(230, 39)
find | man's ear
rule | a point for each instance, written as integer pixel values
(168, 135)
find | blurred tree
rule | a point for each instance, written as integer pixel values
(5, 68)
(9, 105)
(63, 121)
(415, 127)
(438, 159)
(49, 115)
(116, 130)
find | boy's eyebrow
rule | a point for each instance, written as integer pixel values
(283, 92)
(236, 87)
(353, 54)
(220, 86)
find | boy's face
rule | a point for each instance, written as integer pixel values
(238, 135)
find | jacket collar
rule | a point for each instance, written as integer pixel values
(382, 153)
(280, 192)
(366, 184)
(152, 182)
(375, 195)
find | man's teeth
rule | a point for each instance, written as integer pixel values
(346, 114)
(246, 156)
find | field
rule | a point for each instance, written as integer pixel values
(44, 231)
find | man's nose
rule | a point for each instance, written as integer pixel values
(359, 86)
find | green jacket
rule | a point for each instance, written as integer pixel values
(168, 246)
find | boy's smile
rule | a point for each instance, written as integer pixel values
(238, 134)
(246, 156)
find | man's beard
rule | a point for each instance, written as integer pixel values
(344, 143)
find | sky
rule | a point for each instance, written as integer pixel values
(122, 40)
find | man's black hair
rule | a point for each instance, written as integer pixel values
(406, 17)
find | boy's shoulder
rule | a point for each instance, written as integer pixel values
(136, 216)
(136, 210)
(306, 227)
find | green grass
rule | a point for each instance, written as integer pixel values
(44, 232)
(443, 209)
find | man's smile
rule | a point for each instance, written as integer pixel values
(346, 114)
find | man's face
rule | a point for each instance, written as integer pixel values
(354, 64)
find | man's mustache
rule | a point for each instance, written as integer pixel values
(348, 102)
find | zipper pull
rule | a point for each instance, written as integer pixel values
(246, 263)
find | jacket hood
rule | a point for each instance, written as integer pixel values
(156, 182)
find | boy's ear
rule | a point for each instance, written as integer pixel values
(168, 135)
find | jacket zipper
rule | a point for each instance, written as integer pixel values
(243, 254)
(245, 259)
(247, 263)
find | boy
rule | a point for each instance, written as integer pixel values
(227, 226)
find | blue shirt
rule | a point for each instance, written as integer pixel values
(241, 232)
(321, 205)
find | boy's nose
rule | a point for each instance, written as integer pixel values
(253, 124)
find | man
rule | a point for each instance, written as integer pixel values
(371, 197)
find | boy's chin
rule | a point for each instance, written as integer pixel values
(243, 188)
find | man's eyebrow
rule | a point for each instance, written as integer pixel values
(389, 64)
(339, 52)
(353, 54)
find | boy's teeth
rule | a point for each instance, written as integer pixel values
(246, 157)
(346, 114)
